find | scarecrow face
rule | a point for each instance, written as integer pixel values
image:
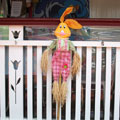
(62, 31)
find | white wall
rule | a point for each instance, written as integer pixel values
(104, 8)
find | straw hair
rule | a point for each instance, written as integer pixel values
(76, 64)
(56, 91)
(63, 92)
(44, 61)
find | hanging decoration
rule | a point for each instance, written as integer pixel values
(62, 62)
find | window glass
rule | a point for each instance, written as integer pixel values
(39, 32)
(93, 33)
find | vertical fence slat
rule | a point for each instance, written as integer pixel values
(78, 89)
(117, 86)
(16, 82)
(68, 100)
(2, 82)
(49, 92)
(108, 84)
(29, 83)
(98, 83)
(39, 84)
(88, 83)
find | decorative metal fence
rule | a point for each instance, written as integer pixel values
(17, 93)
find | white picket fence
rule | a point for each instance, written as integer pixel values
(16, 91)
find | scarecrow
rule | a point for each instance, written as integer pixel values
(62, 62)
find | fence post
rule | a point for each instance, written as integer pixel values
(2, 83)
(16, 73)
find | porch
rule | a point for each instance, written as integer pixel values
(25, 92)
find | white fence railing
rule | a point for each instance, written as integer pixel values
(12, 101)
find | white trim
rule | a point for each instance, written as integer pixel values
(68, 100)
(117, 86)
(107, 84)
(15, 45)
(16, 95)
(88, 83)
(98, 83)
(29, 84)
(39, 84)
(48, 42)
(2, 83)
(78, 89)
(49, 91)
(18, 29)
